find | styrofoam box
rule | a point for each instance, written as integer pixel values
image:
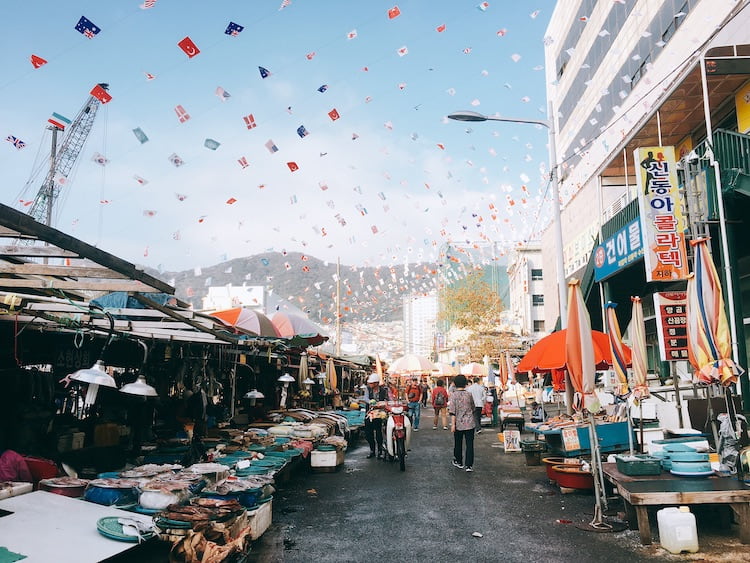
(260, 519)
(326, 459)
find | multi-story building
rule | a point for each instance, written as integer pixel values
(526, 292)
(632, 75)
(420, 322)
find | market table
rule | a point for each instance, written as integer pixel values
(640, 492)
(49, 527)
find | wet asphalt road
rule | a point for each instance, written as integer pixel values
(368, 510)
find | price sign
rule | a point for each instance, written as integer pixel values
(671, 315)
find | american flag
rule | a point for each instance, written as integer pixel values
(243, 162)
(147, 4)
(284, 4)
(182, 115)
(15, 141)
(271, 146)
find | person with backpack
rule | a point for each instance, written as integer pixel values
(440, 404)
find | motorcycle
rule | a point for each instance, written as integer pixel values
(398, 432)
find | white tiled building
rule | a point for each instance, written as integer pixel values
(527, 298)
(420, 322)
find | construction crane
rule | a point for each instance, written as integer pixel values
(62, 160)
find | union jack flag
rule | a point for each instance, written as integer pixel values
(15, 141)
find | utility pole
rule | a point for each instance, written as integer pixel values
(338, 306)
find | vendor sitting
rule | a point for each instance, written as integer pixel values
(537, 412)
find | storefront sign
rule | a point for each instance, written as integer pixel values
(662, 222)
(618, 251)
(671, 316)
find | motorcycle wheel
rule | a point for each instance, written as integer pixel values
(401, 453)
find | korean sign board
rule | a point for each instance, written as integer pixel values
(671, 318)
(618, 251)
(662, 221)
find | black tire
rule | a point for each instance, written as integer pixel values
(401, 453)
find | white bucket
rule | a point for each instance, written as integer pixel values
(677, 529)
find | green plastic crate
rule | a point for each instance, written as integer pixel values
(638, 464)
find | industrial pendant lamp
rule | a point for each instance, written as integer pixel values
(96, 376)
(139, 386)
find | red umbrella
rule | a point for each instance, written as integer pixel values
(247, 320)
(549, 353)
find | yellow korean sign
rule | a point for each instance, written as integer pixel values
(663, 223)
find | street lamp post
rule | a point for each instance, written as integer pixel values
(549, 124)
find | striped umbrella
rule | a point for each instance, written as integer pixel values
(617, 348)
(579, 348)
(709, 340)
(639, 362)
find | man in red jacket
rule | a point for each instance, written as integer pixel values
(414, 398)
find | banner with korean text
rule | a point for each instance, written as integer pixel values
(663, 224)
(671, 324)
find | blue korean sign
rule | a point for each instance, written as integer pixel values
(618, 251)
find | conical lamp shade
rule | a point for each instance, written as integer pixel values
(94, 375)
(139, 387)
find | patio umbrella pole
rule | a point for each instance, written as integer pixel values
(640, 423)
(677, 398)
(598, 521)
(630, 429)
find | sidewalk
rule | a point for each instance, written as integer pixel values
(371, 511)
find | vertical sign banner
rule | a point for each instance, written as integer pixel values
(671, 318)
(662, 221)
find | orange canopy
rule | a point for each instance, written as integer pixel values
(549, 353)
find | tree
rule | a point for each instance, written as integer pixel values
(471, 306)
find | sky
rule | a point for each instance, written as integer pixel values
(387, 180)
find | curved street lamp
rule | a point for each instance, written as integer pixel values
(562, 287)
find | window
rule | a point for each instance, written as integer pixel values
(536, 274)
(538, 326)
(537, 300)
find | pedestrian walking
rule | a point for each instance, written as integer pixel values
(478, 394)
(440, 404)
(425, 392)
(413, 397)
(461, 410)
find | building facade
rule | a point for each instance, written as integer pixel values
(420, 324)
(526, 292)
(634, 74)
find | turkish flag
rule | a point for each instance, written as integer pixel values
(101, 94)
(292, 166)
(189, 47)
(36, 62)
(394, 13)
(333, 114)
(440, 28)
